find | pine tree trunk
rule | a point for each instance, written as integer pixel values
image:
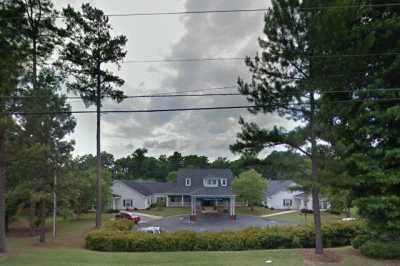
(32, 213)
(34, 63)
(42, 237)
(348, 211)
(98, 154)
(7, 223)
(3, 182)
(319, 249)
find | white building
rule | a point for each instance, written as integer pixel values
(286, 195)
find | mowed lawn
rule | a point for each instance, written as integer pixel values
(165, 212)
(68, 250)
(77, 257)
(300, 218)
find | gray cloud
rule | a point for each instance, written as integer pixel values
(195, 36)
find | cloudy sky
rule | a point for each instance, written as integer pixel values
(176, 36)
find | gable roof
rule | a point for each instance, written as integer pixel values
(148, 187)
(197, 175)
(276, 186)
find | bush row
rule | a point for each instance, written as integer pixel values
(119, 225)
(335, 234)
(377, 246)
(381, 250)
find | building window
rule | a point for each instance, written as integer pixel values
(210, 182)
(287, 203)
(128, 203)
(224, 182)
(323, 204)
(188, 182)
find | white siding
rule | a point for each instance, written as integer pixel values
(157, 196)
(310, 202)
(139, 200)
(276, 200)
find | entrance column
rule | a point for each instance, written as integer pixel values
(182, 201)
(232, 208)
(193, 216)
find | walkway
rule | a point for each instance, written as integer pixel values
(278, 213)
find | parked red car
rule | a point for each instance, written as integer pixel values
(128, 215)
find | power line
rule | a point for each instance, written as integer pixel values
(251, 10)
(194, 12)
(192, 108)
(206, 59)
(184, 95)
(166, 95)
(171, 95)
(183, 60)
(232, 59)
(138, 111)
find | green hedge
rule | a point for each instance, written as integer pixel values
(381, 250)
(360, 240)
(119, 225)
(335, 234)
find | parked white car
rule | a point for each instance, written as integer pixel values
(348, 219)
(150, 229)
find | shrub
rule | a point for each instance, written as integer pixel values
(307, 211)
(111, 239)
(111, 211)
(381, 250)
(119, 225)
(360, 240)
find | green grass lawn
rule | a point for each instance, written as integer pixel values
(68, 250)
(258, 211)
(299, 218)
(165, 212)
(76, 257)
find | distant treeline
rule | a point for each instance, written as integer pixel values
(139, 165)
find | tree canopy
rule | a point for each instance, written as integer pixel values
(250, 187)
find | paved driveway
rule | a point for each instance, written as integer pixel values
(210, 223)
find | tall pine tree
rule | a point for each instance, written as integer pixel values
(43, 36)
(12, 57)
(89, 48)
(44, 139)
(285, 80)
(362, 108)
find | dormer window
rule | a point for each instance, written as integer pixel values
(188, 182)
(224, 182)
(210, 182)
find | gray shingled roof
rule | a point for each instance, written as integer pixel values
(276, 186)
(197, 188)
(197, 175)
(148, 187)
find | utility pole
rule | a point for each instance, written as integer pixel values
(55, 205)
(98, 151)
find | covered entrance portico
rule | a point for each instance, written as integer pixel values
(212, 204)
